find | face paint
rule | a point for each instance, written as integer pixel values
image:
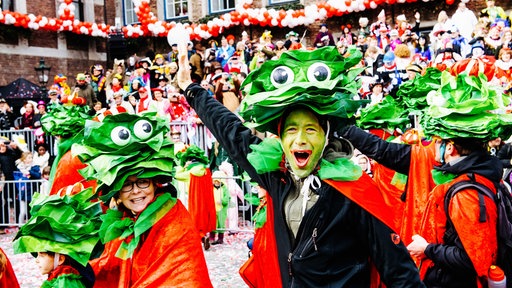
(303, 141)
(442, 150)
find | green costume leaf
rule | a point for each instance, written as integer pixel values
(322, 80)
(67, 225)
(467, 107)
(115, 225)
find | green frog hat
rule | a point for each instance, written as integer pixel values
(467, 106)
(322, 79)
(62, 224)
(123, 145)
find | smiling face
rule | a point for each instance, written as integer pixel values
(137, 199)
(303, 141)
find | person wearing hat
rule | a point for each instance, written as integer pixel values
(413, 70)
(380, 24)
(6, 115)
(85, 90)
(457, 254)
(320, 40)
(477, 63)
(62, 245)
(494, 11)
(383, 38)
(160, 105)
(292, 41)
(149, 237)
(98, 82)
(235, 65)
(377, 92)
(41, 108)
(144, 100)
(325, 235)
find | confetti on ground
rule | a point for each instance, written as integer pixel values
(223, 261)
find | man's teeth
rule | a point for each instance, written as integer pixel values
(136, 200)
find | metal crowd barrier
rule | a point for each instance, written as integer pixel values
(15, 197)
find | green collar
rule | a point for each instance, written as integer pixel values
(115, 225)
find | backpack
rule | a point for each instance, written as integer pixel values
(503, 200)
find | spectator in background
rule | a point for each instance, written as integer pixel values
(9, 153)
(41, 108)
(6, 115)
(27, 117)
(324, 31)
(224, 52)
(41, 157)
(85, 90)
(28, 171)
(222, 198)
(465, 20)
(494, 11)
(423, 48)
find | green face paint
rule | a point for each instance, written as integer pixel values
(303, 141)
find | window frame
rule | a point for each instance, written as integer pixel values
(172, 3)
(79, 10)
(210, 6)
(131, 10)
(9, 5)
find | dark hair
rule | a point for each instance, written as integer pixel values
(466, 146)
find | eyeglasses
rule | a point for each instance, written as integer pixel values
(141, 183)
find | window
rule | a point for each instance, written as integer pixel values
(129, 13)
(221, 5)
(79, 9)
(176, 8)
(7, 5)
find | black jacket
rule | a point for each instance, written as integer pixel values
(347, 236)
(452, 265)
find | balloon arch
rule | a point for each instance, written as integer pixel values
(243, 14)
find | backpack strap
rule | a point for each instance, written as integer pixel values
(470, 184)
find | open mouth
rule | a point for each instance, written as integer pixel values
(301, 157)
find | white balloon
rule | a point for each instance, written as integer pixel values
(178, 34)
(72, 8)
(246, 22)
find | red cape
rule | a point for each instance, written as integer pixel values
(8, 279)
(201, 204)
(262, 269)
(169, 255)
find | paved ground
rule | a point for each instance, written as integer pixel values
(223, 262)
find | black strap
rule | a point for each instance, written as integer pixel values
(470, 184)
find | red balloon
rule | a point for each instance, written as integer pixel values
(449, 2)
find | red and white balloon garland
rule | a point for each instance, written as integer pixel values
(243, 14)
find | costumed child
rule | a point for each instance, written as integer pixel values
(193, 171)
(221, 196)
(63, 232)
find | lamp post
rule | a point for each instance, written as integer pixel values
(43, 75)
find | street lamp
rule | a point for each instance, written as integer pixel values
(43, 75)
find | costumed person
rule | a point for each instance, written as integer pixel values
(292, 41)
(235, 193)
(63, 231)
(149, 237)
(224, 52)
(114, 89)
(60, 82)
(98, 80)
(363, 30)
(309, 171)
(324, 31)
(380, 24)
(194, 172)
(222, 199)
(476, 64)
(461, 115)
(66, 123)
